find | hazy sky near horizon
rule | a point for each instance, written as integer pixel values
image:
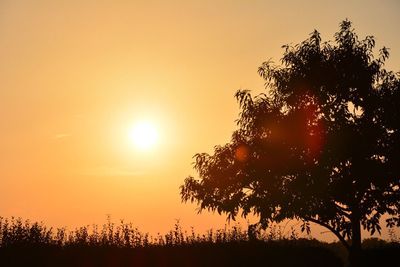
(75, 76)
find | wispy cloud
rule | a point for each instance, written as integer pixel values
(107, 171)
(61, 135)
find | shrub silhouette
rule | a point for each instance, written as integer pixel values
(321, 145)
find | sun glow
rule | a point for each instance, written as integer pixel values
(144, 135)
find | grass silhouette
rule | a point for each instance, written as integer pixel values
(25, 243)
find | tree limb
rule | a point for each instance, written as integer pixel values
(338, 235)
(343, 211)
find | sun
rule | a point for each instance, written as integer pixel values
(144, 135)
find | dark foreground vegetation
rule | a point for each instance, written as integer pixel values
(23, 243)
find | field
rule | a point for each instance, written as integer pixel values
(33, 244)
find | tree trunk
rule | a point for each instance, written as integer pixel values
(355, 249)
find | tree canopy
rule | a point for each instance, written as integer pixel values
(321, 145)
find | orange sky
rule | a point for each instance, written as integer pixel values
(76, 75)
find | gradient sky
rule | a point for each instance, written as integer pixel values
(76, 75)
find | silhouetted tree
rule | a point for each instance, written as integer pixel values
(321, 146)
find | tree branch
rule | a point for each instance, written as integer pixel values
(341, 206)
(330, 228)
(343, 211)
